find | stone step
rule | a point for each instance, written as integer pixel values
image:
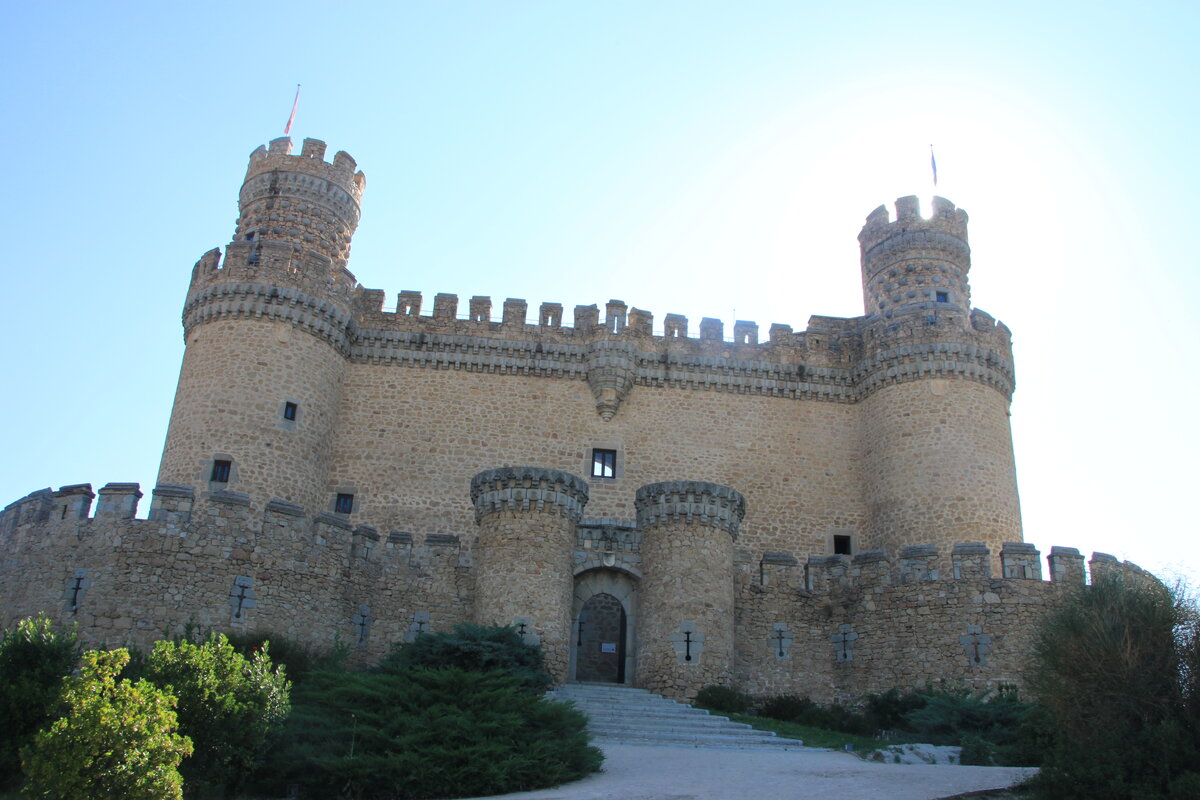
(638, 716)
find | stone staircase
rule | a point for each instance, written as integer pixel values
(623, 715)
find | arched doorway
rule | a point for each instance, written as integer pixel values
(600, 640)
(602, 632)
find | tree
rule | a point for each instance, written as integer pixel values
(1116, 668)
(33, 662)
(115, 741)
(228, 705)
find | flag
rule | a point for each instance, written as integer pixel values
(932, 160)
(292, 117)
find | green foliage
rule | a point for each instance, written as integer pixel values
(725, 699)
(803, 711)
(425, 733)
(992, 727)
(474, 648)
(297, 658)
(228, 705)
(1116, 668)
(116, 740)
(33, 661)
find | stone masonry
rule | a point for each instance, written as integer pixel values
(825, 511)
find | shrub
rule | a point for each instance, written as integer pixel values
(1115, 667)
(723, 698)
(426, 733)
(33, 662)
(949, 715)
(116, 741)
(889, 709)
(297, 658)
(474, 648)
(788, 707)
(227, 705)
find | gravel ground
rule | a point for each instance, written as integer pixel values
(634, 772)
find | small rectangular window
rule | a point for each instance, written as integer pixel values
(344, 504)
(289, 411)
(604, 463)
(220, 471)
(841, 545)
(943, 297)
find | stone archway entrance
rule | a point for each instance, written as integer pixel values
(602, 631)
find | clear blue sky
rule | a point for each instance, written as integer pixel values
(691, 157)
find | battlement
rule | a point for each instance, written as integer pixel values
(946, 218)
(277, 157)
(176, 509)
(969, 561)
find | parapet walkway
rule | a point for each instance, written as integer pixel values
(624, 715)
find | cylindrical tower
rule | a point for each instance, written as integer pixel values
(686, 639)
(266, 335)
(935, 385)
(915, 264)
(527, 518)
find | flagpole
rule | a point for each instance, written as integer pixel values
(287, 129)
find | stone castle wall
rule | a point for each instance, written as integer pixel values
(703, 611)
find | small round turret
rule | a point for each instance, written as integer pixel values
(301, 200)
(915, 264)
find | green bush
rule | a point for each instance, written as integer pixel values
(474, 648)
(949, 715)
(424, 733)
(889, 709)
(116, 741)
(803, 711)
(788, 708)
(33, 662)
(297, 658)
(227, 705)
(723, 698)
(1116, 668)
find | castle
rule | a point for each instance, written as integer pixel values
(825, 512)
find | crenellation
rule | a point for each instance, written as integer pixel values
(1066, 566)
(516, 311)
(118, 501)
(745, 332)
(971, 560)
(73, 502)
(1103, 565)
(675, 326)
(481, 309)
(712, 329)
(171, 502)
(919, 562)
(445, 306)
(408, 303)
(1021, 560)
(550, 315)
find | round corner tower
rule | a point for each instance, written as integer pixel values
(935, 385)
(266, 334)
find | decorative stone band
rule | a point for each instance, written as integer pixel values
(279, 304)
(690, 501)
(615, 369)
(907, 244)
(934, 360)
(528, 488)
(677, 370)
